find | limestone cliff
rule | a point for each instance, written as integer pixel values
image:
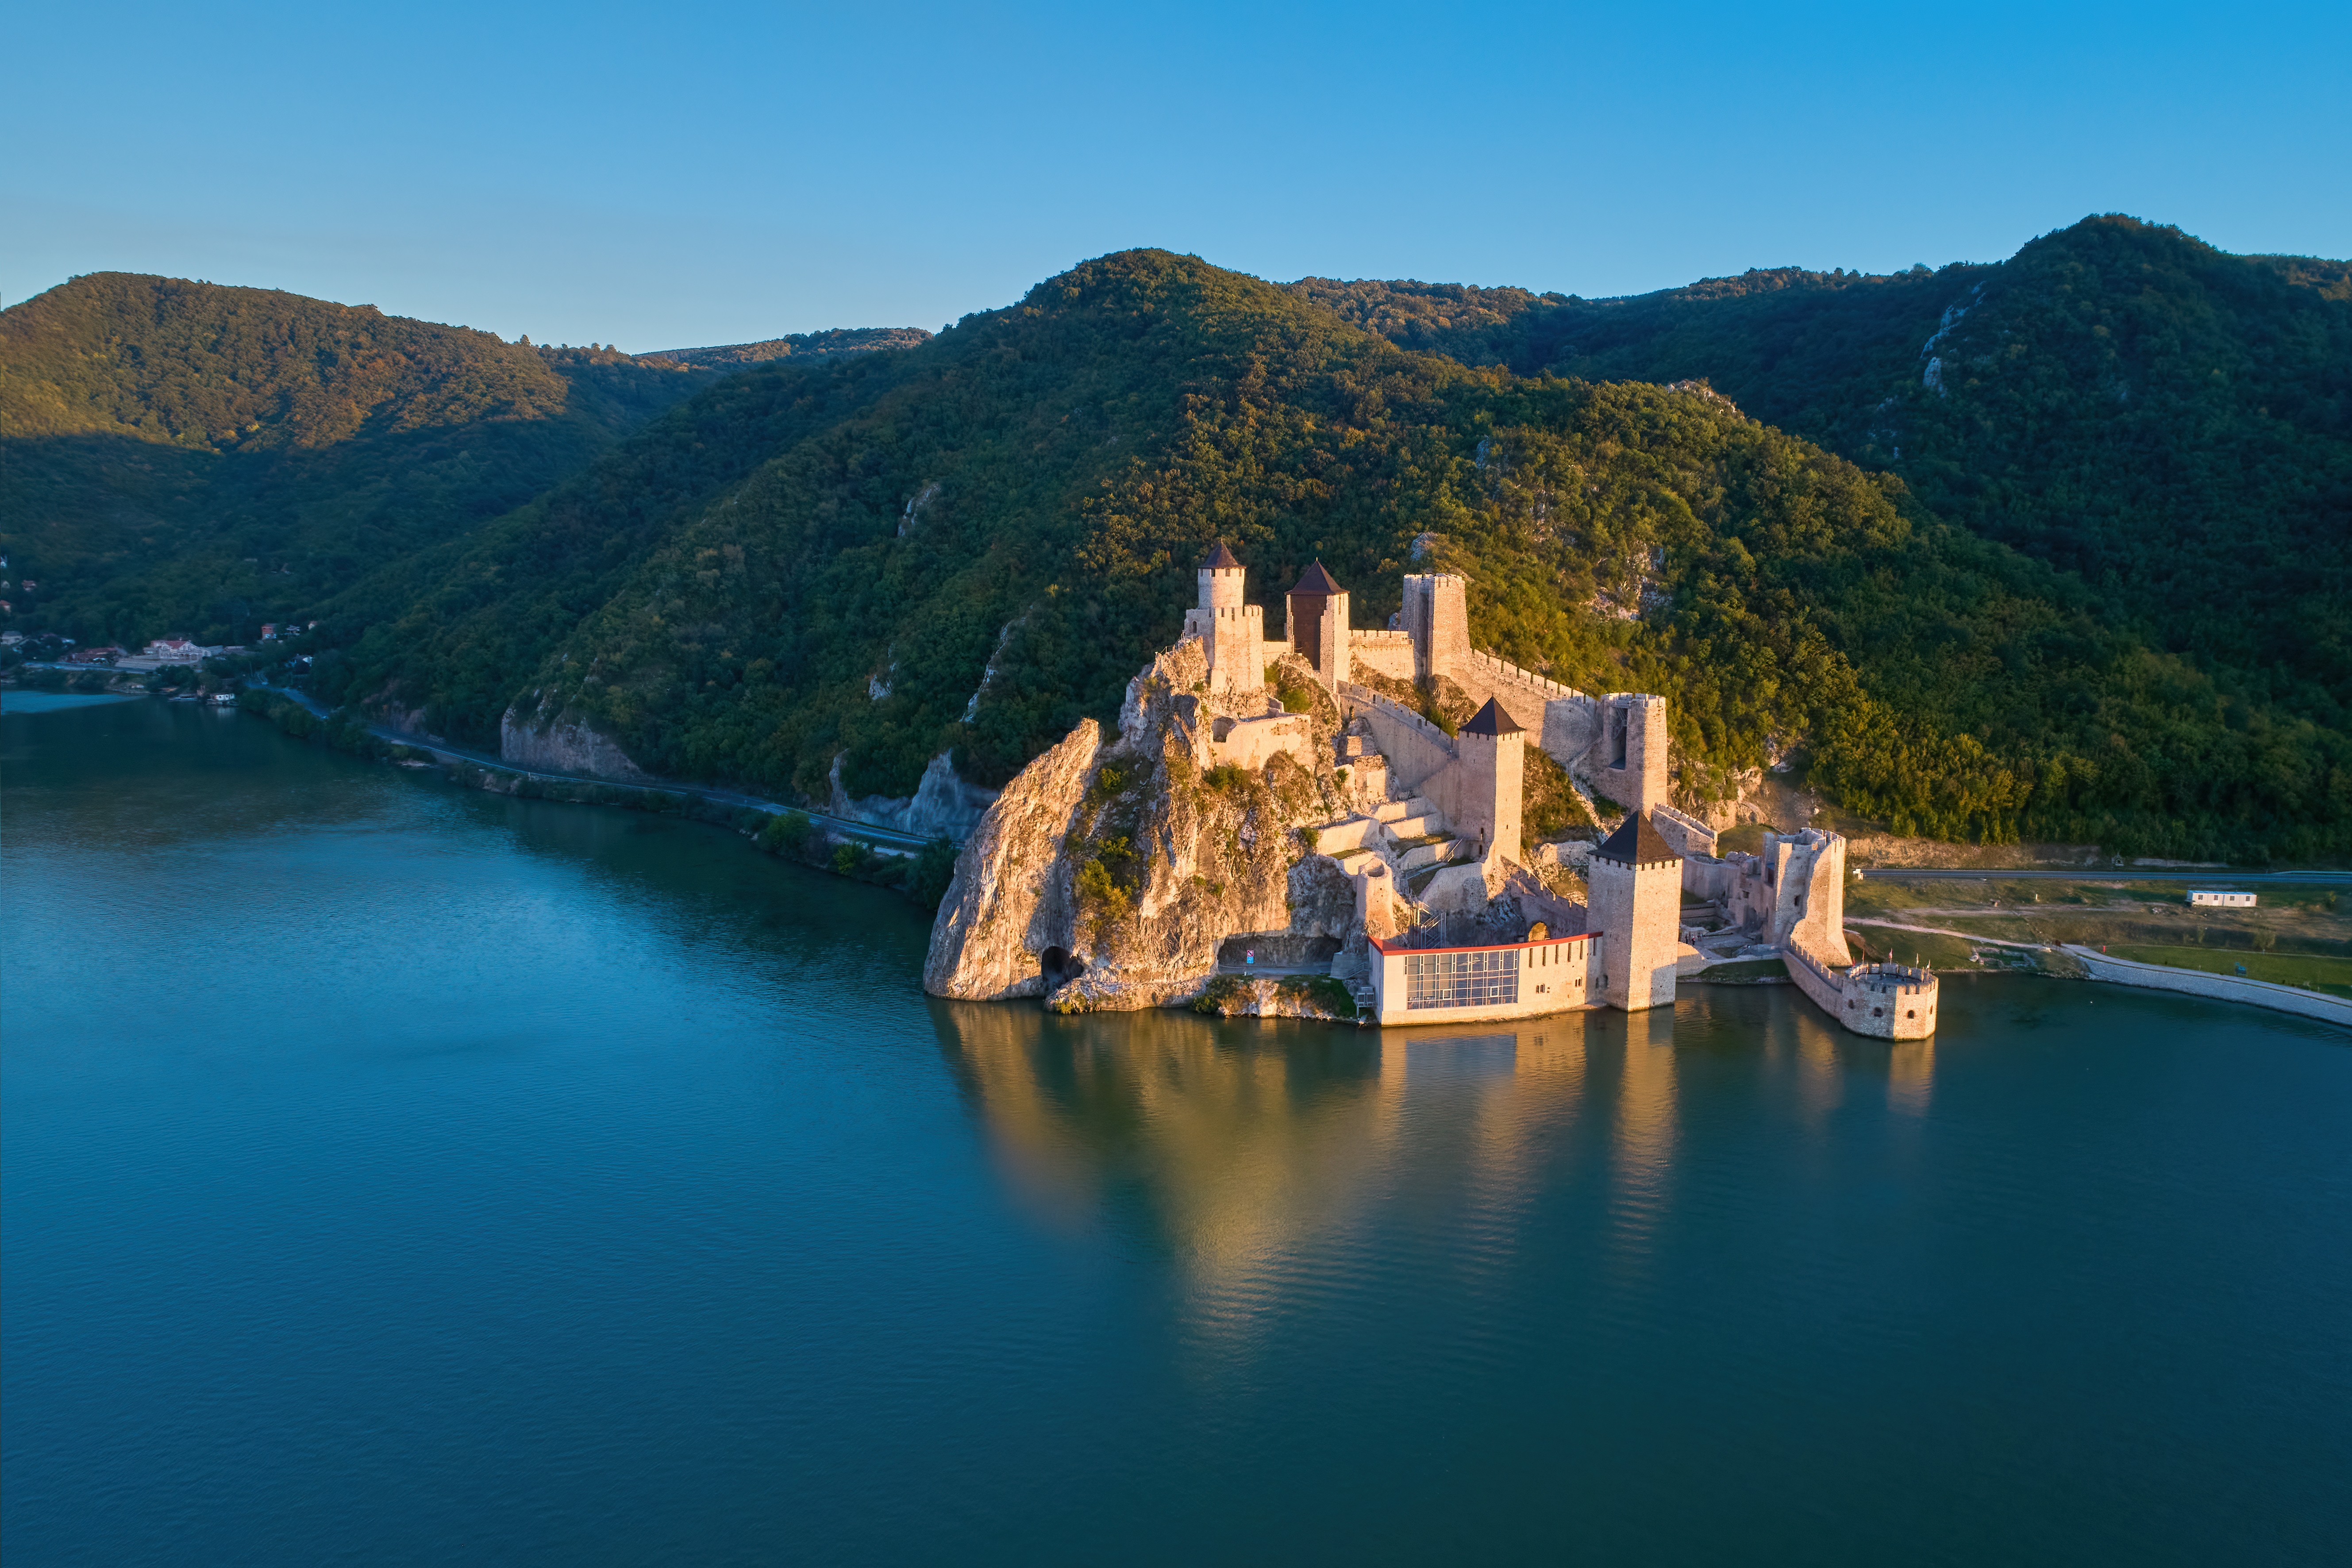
(943, 802)
(557, 745)
(1156, 859)
(1010, 902)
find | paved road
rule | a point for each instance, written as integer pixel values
(2101, 874)
(885, 837)
(1946, 931)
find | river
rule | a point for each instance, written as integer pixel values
(390, 1173)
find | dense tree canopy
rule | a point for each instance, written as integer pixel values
(180, 458)
(971, 545)
(2052, 549)
(2170, 423)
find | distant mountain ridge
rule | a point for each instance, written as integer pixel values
(193, 458)
(2169, 422)
(2076, 575)
(827, 575)
(797, 345)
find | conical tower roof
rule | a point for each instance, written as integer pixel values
(1636, 844)
(1220, 559)
(1492, 720)
(1315, 580)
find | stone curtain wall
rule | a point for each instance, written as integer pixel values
(1562, 717)
(1578, 731)
(1251, 743)
(1236, 650)
(1821, 985)
(1884, 1001)
(1573, 728)
(1688, 833)
(1417, 749)
(1383, 653)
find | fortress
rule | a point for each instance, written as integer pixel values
(1449, 915)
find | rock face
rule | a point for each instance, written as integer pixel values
(562, 746)
(1135, 863)
(1239, 997)
(943, 802)
(1011, 900)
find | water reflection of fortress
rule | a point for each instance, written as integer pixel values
(1243, 1152)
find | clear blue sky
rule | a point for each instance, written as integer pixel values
(665, 175)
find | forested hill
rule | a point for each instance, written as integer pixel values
(181, 457)
(2169, 423)
(969, 544)
(800, 345)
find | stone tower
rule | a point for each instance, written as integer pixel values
(1439, 622)
(1805, 878)
(1222, 580)
(1230, 630)
(1628, 762)
(1637, 883)
(1318, 623)
(1493, 751)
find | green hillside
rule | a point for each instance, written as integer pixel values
(971, 543)
(2170, 423)
(184, 457)
(800, 345)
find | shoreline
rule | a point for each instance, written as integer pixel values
(856, 848)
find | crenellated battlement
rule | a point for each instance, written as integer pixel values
(1397, 713)
(1697, 837)
(1888, 1001)
(1504, 670)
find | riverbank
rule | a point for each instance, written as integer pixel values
(859, 852)
(2253, 992)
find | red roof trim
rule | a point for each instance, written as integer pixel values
(1489, 947)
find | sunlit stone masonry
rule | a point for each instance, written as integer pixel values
(1278, 827)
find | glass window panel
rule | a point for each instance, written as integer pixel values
(1460, 979)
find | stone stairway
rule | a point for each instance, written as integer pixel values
(1403, 835)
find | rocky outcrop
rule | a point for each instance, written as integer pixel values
(943, 803)
(1009, 905)
(562, 746)
(1162, 857)
(407, 721)
(1298, 997)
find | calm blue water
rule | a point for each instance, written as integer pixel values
(393, 1174)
